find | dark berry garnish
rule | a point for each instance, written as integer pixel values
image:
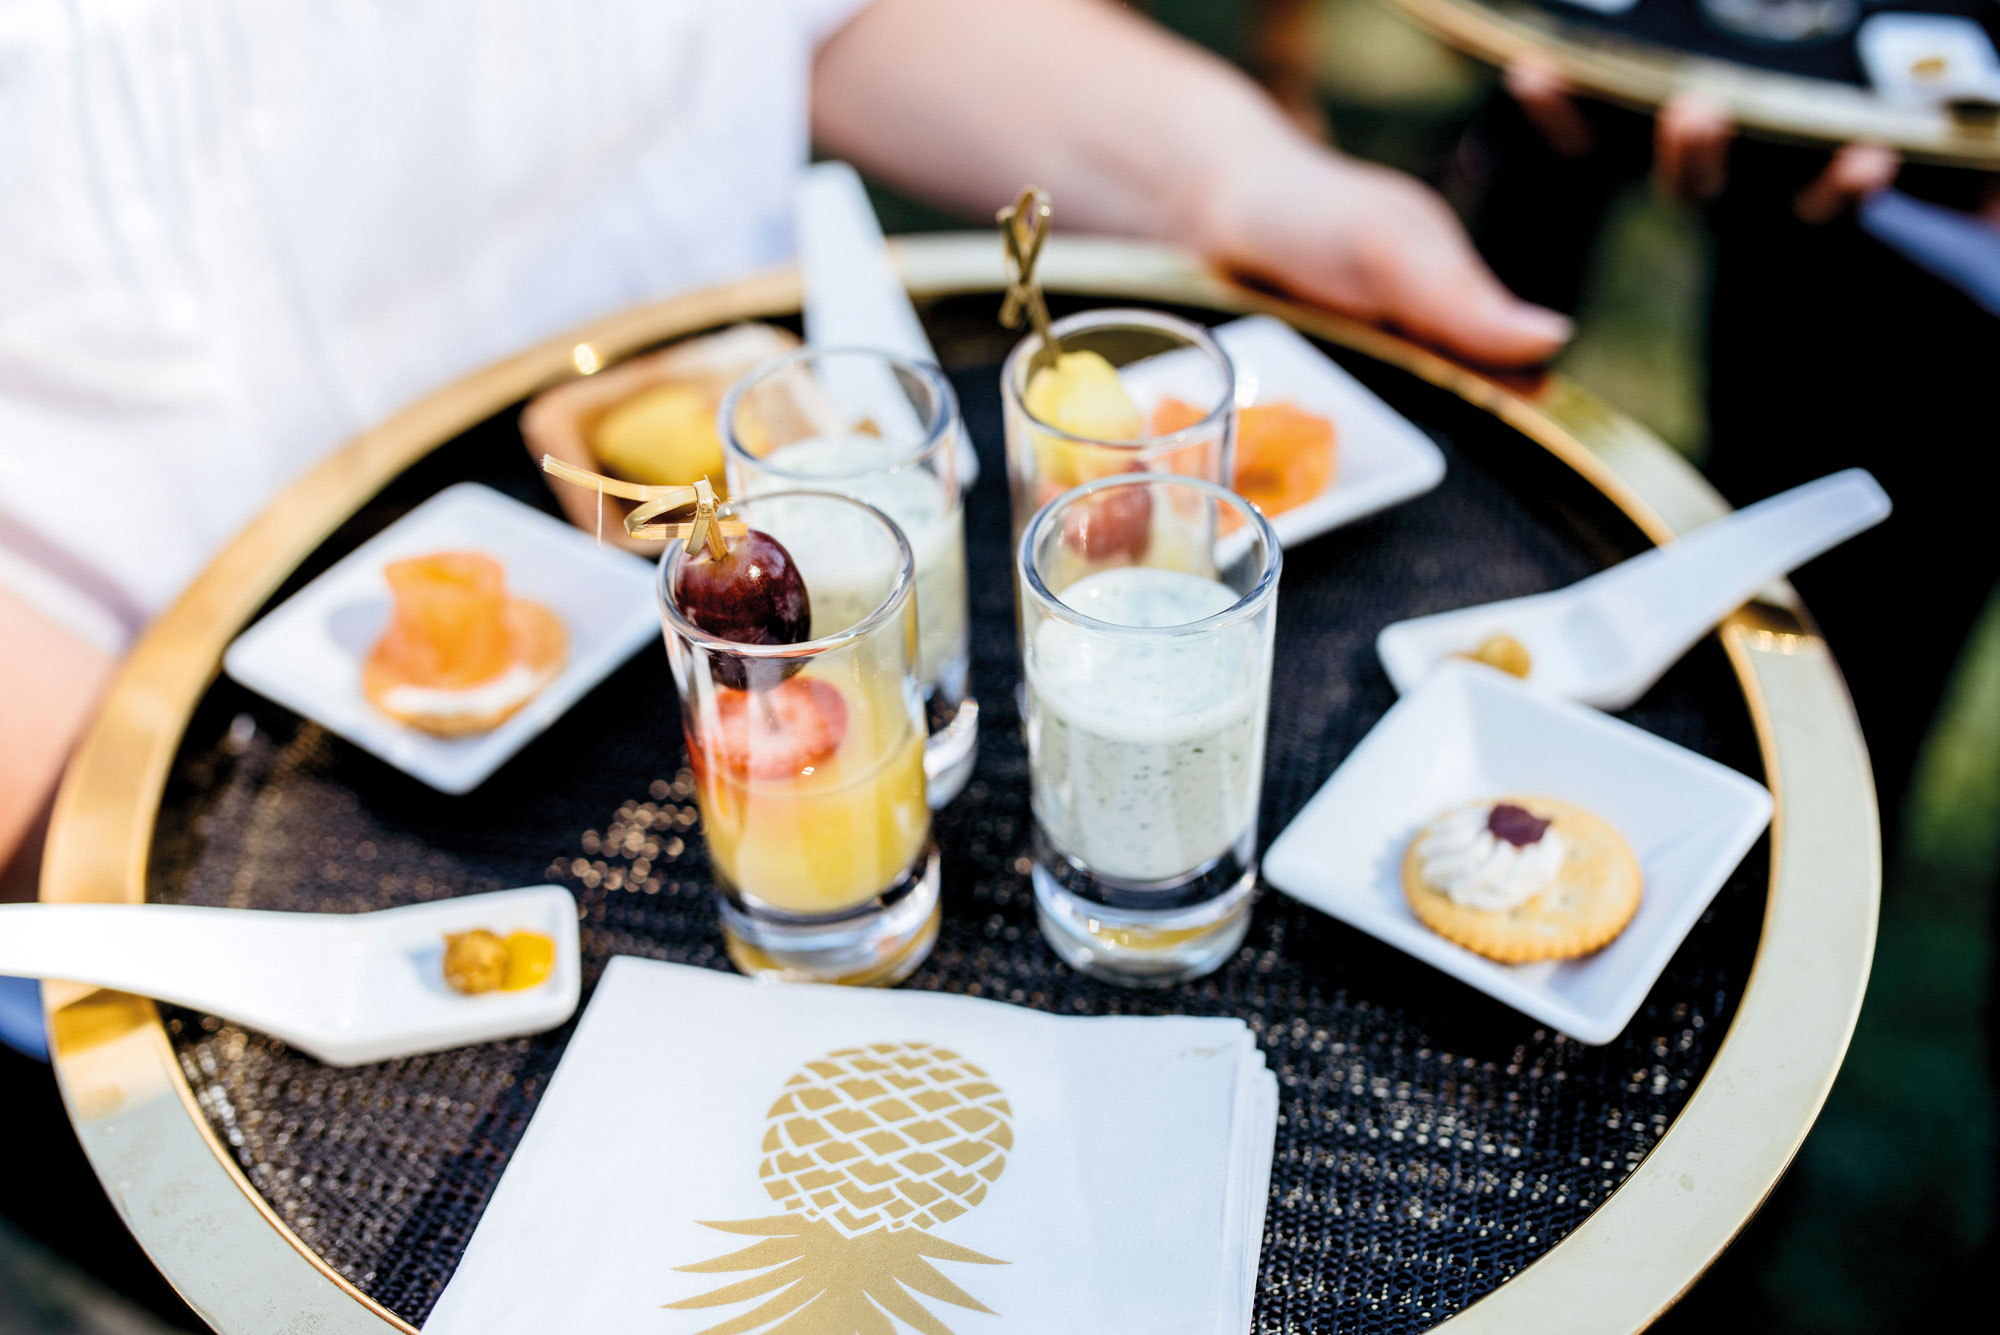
(1516, 825)
(751, 595)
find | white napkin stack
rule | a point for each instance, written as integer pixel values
(715, 1155)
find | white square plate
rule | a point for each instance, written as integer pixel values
(1381, 460)
(307, 654)
(1468, 733)
(1928, 58)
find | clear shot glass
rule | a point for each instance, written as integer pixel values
(880, 429)
(809, 758)
(1148, 687)
(1076, 427)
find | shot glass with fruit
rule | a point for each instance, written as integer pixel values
(882, 429)
(793, 647)
(1080, 405)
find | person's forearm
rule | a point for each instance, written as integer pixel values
(1130, 129)
(49, 683)
(1135, 132)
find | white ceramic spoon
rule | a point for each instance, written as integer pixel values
(348, 988)
(1606, 639)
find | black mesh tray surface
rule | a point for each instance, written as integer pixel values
(1431, 1142)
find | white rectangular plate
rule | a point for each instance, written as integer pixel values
(1380, 460)
(1928, 58)
(1468, 733)
(307, 653)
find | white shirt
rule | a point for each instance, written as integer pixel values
(233, 233)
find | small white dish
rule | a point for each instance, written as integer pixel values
(1381, 458)
(1469, 733)
(348, 988)
(307, 653)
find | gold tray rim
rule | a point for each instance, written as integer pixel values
(184, 1197)
(1643, 75)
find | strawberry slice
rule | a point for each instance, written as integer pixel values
(778, 733)
(1114, 523)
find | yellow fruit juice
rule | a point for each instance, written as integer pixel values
(836, 832)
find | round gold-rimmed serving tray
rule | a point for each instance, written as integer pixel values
(183, 1195)
(1644, 75)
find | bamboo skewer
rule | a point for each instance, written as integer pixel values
(1024, 227)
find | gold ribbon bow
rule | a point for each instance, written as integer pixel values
(706, 528)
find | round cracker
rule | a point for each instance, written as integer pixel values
(1593, 897)
(539, 639)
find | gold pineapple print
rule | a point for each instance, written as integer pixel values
(865, 1149)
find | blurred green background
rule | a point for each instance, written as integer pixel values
(1887, 1215)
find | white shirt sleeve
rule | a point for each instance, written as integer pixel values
(233, 234)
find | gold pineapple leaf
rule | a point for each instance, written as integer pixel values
(819, 1281)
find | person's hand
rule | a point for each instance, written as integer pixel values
(1855, 172)
(1691, 139)
(1374, 244)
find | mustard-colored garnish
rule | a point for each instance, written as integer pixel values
(530, 958)
(1503, 652)
(479, 961)
(474, 961)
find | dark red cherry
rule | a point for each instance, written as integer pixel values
(752, 595)
(1517, 825)
(1115, 522)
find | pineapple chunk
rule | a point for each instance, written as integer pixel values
(1082, 394)
(664, 436)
